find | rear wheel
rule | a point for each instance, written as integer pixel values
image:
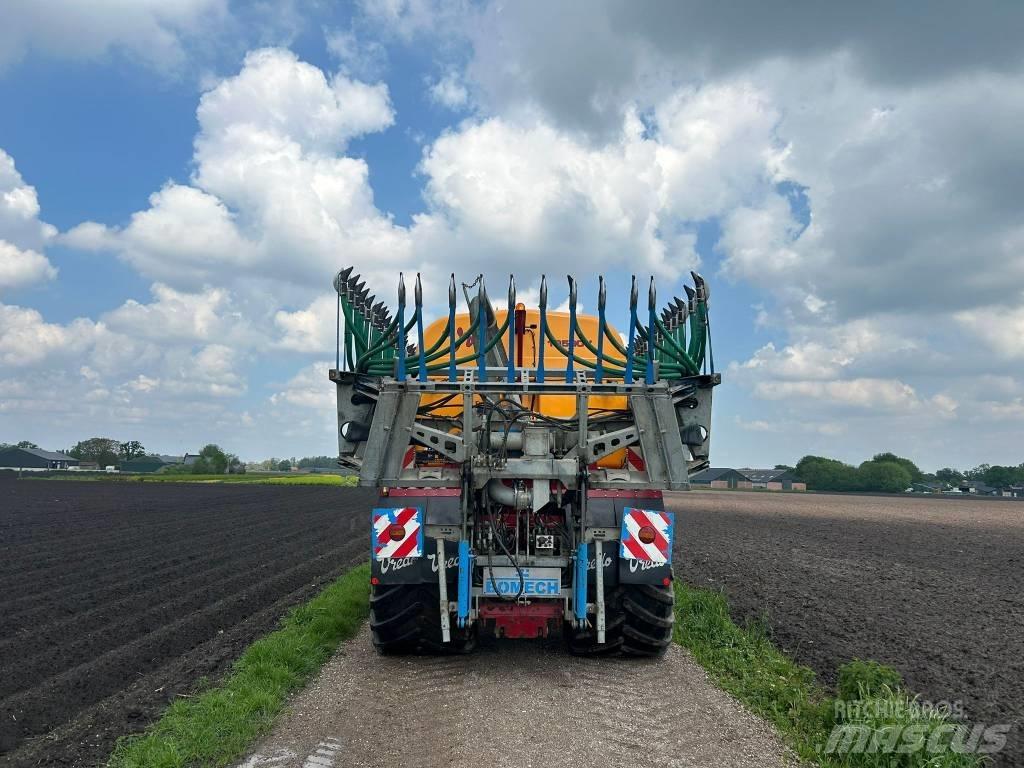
(638, 622)
(405, 619)
(649, 612)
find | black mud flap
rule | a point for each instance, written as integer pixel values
(419, 570)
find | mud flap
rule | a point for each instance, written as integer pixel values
(647, 562)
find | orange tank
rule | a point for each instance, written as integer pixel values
(556, 406)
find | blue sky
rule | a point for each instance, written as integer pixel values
(201, 168)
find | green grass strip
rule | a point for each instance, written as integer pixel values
(218, 725)
(871, 700)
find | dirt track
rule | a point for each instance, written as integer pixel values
(514, 704)
(932, 586)
(117, 598)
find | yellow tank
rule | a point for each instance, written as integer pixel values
(556, 406)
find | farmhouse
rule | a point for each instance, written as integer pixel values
(34, 459)
(720, 477)
(144, 464)
(773, 479)
(769, 479)
(154, 462)
(978, 488)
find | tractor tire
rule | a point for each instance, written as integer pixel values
(650, 612)
(404, 619)
(638, 622)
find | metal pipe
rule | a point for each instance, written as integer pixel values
(651, 330)
(569, 373)
(543, 307)
(418, 295)
(511, 376)
(601, 297)
(400, 365)
(451, 327)
(631, 346)
(481, 312)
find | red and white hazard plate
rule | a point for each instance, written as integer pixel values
(397, 533)
(646, 535)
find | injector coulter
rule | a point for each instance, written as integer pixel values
(520, 456)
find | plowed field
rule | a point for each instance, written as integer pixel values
(117, 598)
(933, 586)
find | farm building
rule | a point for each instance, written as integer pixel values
(978, 488)
(145, 464)
(720, 477)
(155, 462)
(769, 479)
(773, 479)
(34, 459)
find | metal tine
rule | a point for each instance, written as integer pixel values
(602, 298)
(452, 336)
(652, 303)
(631, 347)
(418, 296)
(569, 358)
(542, 306)
(703, 292)
(340, 278)
(510, 322)
(481, 314)
(400, 365)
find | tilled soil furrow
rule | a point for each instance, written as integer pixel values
(86, 740)
(39, 653)
(31, 712)
(109, 597)
(71, 681)
(144, 530)
(933, 586)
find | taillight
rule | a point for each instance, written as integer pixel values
(647, 534)
(396, 531)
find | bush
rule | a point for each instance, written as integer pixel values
(863, 679)
(883, 476)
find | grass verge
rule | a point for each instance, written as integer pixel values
(216, 726)
(870, 722)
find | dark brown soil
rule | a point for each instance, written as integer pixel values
(118, 598)
(933, 586)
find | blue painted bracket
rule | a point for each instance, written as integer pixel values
(581, 582)
(465, 571)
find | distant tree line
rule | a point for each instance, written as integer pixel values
(285, 465)
(996, 475)
(888, 472)
(884, 472)
(107, 452)
(212, 460)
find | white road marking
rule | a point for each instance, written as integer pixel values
(277, 758)
(323, 756)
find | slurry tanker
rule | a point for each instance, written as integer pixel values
(520, 456)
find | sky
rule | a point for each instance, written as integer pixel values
(180, 180)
